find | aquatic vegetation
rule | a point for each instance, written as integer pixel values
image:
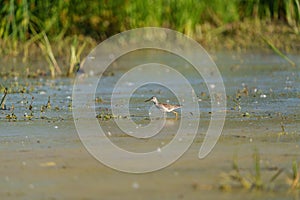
(30, 115)
(236, 179)
(98, 100)
(246, 114)
(243, 92)
(293, 178)
(105, 116)
(34, 99)
(76, 51)
(282, 126)
(277, 51)
(237, 104)
(12, 116)
(46, 48)
(48, 105)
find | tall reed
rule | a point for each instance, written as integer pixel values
(35, 22)
(101, 19)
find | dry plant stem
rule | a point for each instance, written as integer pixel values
(295, 179)
(29, 42)
(244, 182)
(50, 54)
(277, 51)
(51, 67)
(258, 181)
(47, 51)
(2, 104)
(75, 57)
(73, 60)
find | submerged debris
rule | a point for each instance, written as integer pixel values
(48, 105)
(98, 100)
(12, 116)
(243, 92)
(245, 114)
(107, 116)
(48, 164)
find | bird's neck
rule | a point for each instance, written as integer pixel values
(155, 103)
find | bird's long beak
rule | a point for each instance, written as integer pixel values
(148, 100)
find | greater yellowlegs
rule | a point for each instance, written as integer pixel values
(164, 106)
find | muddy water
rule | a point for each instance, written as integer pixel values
(43, 157)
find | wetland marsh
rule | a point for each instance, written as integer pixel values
(255, 44)
(42, 156)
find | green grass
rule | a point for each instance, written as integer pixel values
(28, 23)
(259, 178)
(21, 20)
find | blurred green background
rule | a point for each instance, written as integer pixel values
(67, 28)
(22, 19)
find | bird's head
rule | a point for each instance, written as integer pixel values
(153, 99)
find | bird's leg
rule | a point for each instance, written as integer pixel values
(176, 114)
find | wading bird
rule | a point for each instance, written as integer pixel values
(164, 106)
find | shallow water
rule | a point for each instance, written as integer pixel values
(43, 157)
